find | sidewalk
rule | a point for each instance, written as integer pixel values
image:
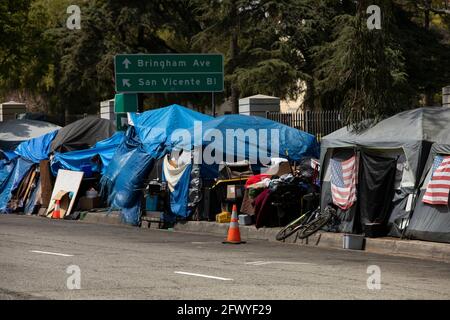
(389, 246)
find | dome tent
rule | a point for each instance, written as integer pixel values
(431, 222)
(407, 138)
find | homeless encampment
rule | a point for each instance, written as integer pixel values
(20, 187)
(156, 133)
(13, 132)
(372, 176)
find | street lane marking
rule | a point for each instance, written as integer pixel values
(203, 276)
(52, 253)
(260, 263)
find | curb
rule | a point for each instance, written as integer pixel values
(103, 218)
(387, 246)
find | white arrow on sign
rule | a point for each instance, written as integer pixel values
(126, 63)
(126, 83)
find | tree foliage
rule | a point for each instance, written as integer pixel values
(319, 49)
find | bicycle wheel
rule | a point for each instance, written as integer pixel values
(292, 227)
(315, 225)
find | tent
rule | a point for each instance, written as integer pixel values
(82, 134)
(13, 132)
(431, 222)
(74, 160)
(148, 140)
(404, 139)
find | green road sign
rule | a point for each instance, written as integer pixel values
(169, 73)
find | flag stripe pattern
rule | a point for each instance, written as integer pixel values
(439, 186)
(344, 175)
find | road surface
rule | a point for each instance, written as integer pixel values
(120, 262)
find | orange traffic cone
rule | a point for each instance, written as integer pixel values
(56, 211)
(234, 235)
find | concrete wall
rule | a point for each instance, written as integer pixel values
(446, 96)
(258, 105)
(107, 110)
(9, 110)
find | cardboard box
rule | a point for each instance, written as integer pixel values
(86, 203)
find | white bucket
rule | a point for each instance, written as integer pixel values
(91, 194)
(353, 242)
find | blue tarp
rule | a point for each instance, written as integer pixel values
(291, 143)
(155, 127)
(8, 155)
(124, 175)
(148, 140)
(12, 174)
(6, 168)
(36, 149)
(17, 164)
(74, 160)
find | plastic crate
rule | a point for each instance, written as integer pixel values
(224, 217)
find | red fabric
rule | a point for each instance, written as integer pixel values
(256, 178)
(264, 210)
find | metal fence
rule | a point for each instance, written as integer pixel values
(318, 123)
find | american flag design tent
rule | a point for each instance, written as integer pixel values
(344, 177)
(439, 186)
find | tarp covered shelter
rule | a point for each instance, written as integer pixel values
(13, 132)
(406, 138)
(148, 140)
(82, 134)
(14, 169)
(233, 139)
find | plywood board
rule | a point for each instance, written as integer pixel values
(68, 181)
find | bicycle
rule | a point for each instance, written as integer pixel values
(308, 223)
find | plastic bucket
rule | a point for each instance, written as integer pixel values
(152, 203)
(353, 242)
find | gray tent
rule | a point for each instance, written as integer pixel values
(406, 138)
(431, 222)
(13, 132)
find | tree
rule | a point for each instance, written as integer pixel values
(364, 68)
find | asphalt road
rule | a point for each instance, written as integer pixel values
(119, 262)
